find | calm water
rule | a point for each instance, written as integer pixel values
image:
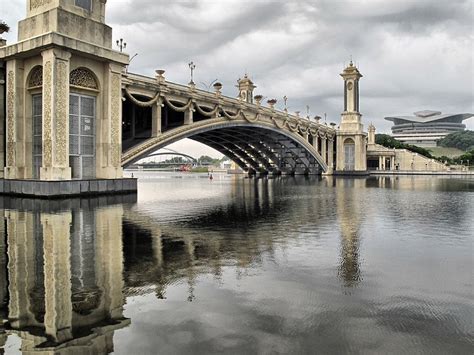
(247, 266)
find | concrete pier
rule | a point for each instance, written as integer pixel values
(67, 188)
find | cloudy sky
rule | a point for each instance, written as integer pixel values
(414, 55)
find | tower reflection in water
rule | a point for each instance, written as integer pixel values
(67, 269)
(350, 215)
(61, 274)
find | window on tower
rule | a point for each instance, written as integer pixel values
(85, 4)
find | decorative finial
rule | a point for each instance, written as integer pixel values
(217, 87)
(159, 75)
(192, 66)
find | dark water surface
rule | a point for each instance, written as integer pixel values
(245, 266)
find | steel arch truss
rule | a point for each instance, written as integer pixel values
(255, 148)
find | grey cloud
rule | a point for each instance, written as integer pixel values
(413, 54)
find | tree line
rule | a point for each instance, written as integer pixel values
(458, 140)
(461, 140)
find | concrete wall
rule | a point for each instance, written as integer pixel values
(407, 160)
(68, 24)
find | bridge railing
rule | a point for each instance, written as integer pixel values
(191, 97)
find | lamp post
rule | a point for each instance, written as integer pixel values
(121, 44)
(133, 56)
(192, 66)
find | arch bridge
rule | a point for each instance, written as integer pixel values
(174, 154)
(156, 113)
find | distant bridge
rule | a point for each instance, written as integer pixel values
(172, 153)
(156, 113)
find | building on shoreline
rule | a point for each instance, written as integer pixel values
(425, 128)
(383, 159)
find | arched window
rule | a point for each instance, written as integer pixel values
(35, 81)
(349, 154)
(83, 78)
(36, 77)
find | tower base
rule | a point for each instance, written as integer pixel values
(67, 188)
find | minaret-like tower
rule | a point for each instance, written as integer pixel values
(351, 139)
(351, 117)
(246, 87)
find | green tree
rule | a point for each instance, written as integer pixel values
(461, 140)
(466, 159)
(390, 142)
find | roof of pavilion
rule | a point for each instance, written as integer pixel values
(429, 116)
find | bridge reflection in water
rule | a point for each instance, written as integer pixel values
(68, 268)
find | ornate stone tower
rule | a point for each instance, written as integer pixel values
(351, 139)
(63, 118)
(246, 87)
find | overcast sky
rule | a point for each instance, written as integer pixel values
(414, 55)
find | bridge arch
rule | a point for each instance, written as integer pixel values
(256, 146)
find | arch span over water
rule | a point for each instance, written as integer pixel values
(257, 147)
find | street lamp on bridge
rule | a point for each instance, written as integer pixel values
(121, 44)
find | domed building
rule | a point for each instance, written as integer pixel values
(426, 127)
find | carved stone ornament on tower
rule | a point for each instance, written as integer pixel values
(246, 88)
(11, 129)
(83, 77)
(36, 77)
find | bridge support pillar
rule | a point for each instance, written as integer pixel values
(324, 143)
(330, 155)
(15, 150)
(188, 116)
(156, 118)
(110, 154)
(55, 115)
(315, 142)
